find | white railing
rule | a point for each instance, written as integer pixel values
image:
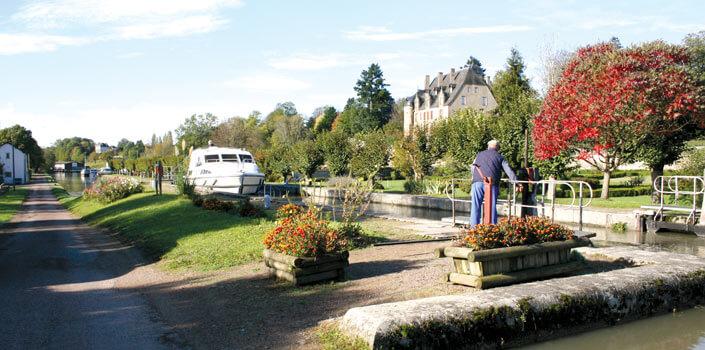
(544, 194)
(673, 185)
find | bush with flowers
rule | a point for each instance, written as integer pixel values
(303, 234)
(111, 188)
(515, 232)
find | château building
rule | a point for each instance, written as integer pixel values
(446, 94)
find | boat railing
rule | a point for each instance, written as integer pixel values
(543, 197)
(678, 186)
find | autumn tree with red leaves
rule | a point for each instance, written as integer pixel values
(610, 100)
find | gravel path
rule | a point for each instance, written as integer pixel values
(82, 288)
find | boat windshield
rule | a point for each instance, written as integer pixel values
(212, 158)
(229, 157)
(246, 158)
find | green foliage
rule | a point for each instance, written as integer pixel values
(336, 152)
(462, 135)
(414, 187)
(372, 93)
(196, 130)
(282, 128)
(620, 227)
(695, 44)
(693, 162)
(369, 153)
(355, 118)
(306, 157)
(413, 155)
(475, 65)
(22, 139)
(108, 189)
(324, 122)
(10, 203)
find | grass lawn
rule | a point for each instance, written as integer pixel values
(10, 203)
(170, 229)
(616, 202)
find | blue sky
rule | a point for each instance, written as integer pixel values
(129, 68)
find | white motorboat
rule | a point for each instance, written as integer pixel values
(223, 169)
(105, 171)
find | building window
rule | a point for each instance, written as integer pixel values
(7, 155)
(469, 89)
(462, 101)
(484, 101)
(477, 90)
(8, 174)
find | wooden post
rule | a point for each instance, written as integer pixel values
(487, 205)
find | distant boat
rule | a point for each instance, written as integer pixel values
(86, 172)
(222, 169)
(105, 171)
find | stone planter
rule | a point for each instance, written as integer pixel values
(504, 266)
(302, 270)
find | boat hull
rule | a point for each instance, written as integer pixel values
(236, 184)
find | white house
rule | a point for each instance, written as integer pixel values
(15, 165)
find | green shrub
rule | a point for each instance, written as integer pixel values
(414, 187)
(619, 227)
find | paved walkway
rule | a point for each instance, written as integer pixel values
(57, 285)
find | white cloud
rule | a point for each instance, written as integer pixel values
(130, 55)
(109, 20)
(384, 34)
(177, 27)
(12, 44)
(267, 82)
(310, 62)
(60, 13)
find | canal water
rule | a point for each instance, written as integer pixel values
(74, 183)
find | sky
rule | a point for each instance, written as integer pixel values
(114, 69)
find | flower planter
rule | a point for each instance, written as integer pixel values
(504, 266)
(303, 270)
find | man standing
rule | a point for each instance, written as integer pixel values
(158, 174)
(486, 172)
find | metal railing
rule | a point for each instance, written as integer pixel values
(544, 194)
(673, 186)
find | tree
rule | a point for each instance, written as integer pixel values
(22, 139)
(324, 121)
(610, 100)
(306, 157)
(281, 128)
(288, 108)
(517, 104)
(372, 93)
(239, 133)
(413, 155)
(370, 152)
(695, 44)
(355, 118)
(462, 135)
(196, 130)
(336, 151)
(474, 65)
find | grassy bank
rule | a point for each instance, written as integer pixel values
(10, 203)
(170, 229)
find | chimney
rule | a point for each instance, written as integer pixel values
(489, 80)
(427, 83)
(452, 73)
(440, 78)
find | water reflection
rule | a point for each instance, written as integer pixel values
(74, 183)
(682, 330)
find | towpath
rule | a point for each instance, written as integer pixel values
(57, 285)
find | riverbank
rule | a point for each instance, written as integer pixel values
(10, 203)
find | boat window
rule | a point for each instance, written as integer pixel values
(212, 158)
(229, 157)
(246, 158)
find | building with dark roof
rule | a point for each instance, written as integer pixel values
(444, 95)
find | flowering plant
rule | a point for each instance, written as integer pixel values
(289, 210)
(111, 188)
(304, 234)
(514, 232)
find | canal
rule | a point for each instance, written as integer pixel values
(74, 183)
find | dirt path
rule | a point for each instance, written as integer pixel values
(85, 284)
(57, 285)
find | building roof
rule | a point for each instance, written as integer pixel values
(11, 145)
(450, 84)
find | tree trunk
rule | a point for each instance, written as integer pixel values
(606, 175)
(656, 171)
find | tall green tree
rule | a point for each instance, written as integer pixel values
(336, 151)
(462, 135)
(474, 65)
(370, 152)
(324, 121)
(196, 130)
(22, 139)
(306, 157)
(517, 104)
(372, 93)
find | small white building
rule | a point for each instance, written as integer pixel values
(15, 165)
